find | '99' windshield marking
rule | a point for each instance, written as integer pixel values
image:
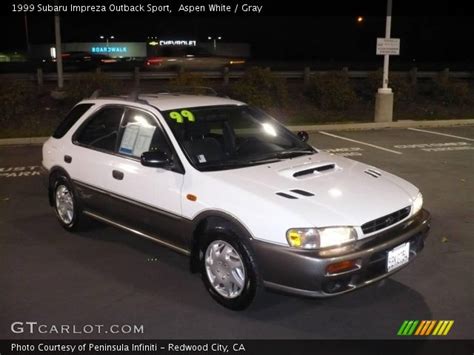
(178, 116)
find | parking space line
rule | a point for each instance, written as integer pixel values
(359, 142)
(440, 134)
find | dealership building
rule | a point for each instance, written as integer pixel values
(153, 47)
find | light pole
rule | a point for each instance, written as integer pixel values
(59, 54)
(27, 37)
(107, 38)
(384, 96)
(386, 57)
(214, 39)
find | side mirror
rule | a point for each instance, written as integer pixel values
(155, 159)
(303, 136)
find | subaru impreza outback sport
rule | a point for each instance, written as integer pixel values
(252, 204)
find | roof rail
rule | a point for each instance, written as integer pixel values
(135, 96)
(195, 90)
(95, 94)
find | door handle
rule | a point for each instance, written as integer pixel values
(117, 175)
(68, 159)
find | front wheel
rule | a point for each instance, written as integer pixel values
(229, 271)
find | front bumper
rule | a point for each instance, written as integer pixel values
(303, 272)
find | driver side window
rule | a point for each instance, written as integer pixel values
(139, 133)
(101, 131)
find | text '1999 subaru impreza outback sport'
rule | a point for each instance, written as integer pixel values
(252, 204)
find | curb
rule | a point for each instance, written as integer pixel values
(308, 128)
(380, 125)
(23, 141)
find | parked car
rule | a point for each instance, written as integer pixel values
(84, 60)
(252, 204)
(186, 58)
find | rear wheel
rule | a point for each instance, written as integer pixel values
(228, 271)
(66, 204)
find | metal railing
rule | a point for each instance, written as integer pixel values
(40, 77)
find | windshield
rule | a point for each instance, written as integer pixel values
(229, 137)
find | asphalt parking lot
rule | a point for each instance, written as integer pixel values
(106, 276)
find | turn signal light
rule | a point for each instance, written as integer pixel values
(191, 197)
(342, 266)
(294, 239)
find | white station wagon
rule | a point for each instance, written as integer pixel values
(252, 204)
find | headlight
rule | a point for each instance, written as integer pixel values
(316, 238)
(418, 203)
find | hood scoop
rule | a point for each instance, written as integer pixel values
(288, 196)
(302, 192)
(309, 170)
(313, 170)
(373, 173)
(291, 196)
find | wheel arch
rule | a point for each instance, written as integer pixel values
(217, 221)
(53, 173)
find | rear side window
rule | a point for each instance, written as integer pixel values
(101, 130)
(70, 119)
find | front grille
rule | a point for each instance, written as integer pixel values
(385, 221)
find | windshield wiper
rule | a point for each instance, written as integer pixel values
(264, 161)
(224, 164)
(285, 154)
(236, 164)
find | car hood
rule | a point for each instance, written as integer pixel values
(325, 189)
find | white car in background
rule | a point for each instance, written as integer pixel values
(252, 204)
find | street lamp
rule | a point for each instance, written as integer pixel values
(27, 37)
(384, 96)
(107, 38)
(386, 58)
(214, 39)
(59, 54)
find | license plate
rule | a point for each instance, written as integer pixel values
(398, 256)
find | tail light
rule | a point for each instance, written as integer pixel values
(154, 61)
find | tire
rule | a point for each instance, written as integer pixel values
(65, 203)
(233, 286)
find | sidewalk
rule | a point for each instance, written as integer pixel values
(380, 125)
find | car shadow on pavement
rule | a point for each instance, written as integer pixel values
(348, 316)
